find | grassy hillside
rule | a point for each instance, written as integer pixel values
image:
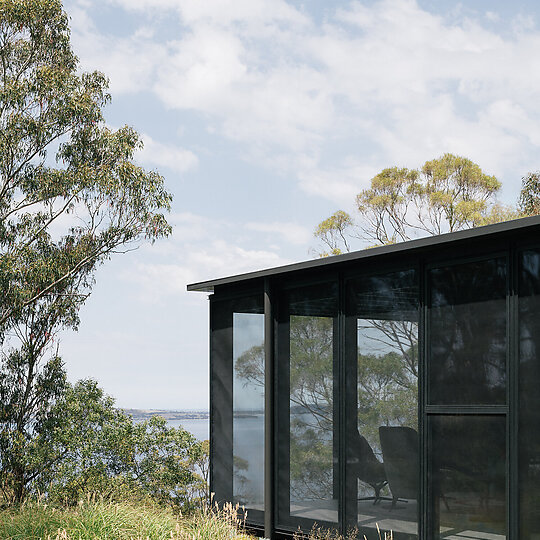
(92, 520)
(119, 521)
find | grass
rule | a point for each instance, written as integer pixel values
(319, 533)
(98, 520)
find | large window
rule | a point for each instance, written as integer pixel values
(466, 366)
(529, 395)
(308, 409)
(237, 431)
(382, 375)
(248, 409)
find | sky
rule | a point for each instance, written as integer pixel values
(265, 117)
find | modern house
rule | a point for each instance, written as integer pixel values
(397, 386)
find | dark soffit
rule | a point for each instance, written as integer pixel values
(488, 231)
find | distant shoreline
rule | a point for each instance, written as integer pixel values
(144, 414)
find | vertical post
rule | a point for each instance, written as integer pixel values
(512, 422)
(268, 412)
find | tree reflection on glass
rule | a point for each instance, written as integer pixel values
(387, 376)
(311, 402)
(248, 413)
(529, 397)
(382, 440)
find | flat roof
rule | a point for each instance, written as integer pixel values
(368, 253)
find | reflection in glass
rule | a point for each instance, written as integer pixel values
(467, 333)
(529, 381)
(467, 473)
(312, 461)
(248, 409)
(311, 403)
(382, 447)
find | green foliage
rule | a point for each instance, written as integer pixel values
(92, 519)
(82, 444)
(88, 520)
(70, 197)
(57, 159)
(529, 197)
(386, 204)
(446, 194)
(332, 231)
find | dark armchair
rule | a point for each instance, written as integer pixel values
(399, 446)
(366, 467)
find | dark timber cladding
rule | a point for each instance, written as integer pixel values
(394, 388)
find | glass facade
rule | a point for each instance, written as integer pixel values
(467, 333)
(237, 403)
(382, 432)
(529, 394)
(308, 411)
(248, 410)
(404, 390)
(466, 364)
(467, 476)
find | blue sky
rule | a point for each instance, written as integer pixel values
(266, 116)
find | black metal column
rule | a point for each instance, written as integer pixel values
(268, 412)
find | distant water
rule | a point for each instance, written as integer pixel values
(199, 427)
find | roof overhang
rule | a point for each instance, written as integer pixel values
(413, 245)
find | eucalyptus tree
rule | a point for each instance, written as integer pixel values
(70, 197)
(529, 197)
(447, 194)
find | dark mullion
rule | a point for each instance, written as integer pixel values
(512, 445)
(221, 373)
(336, 414)
(342, 395)
(275, 412)
(350, 389)
(463, 410)
(212, 419)
(268, 412)
(423, 510)
(283, 432)
(429, 524)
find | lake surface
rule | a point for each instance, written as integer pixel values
(248, 435)
(199, 427)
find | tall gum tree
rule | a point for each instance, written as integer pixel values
(446, 194)
(70, 197)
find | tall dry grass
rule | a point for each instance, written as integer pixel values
(96, 519)
(320, 533)
(99, 520)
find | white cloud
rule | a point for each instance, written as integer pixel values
(201, 249)
(413, 83)
(129, 62)
(290, 232)
(221, 12)
(219, 258)
(166, 155)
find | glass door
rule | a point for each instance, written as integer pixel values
(308, 441)
(382, 448)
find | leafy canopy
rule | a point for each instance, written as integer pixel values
(70, 194)
(446, 194)
(70, 197)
